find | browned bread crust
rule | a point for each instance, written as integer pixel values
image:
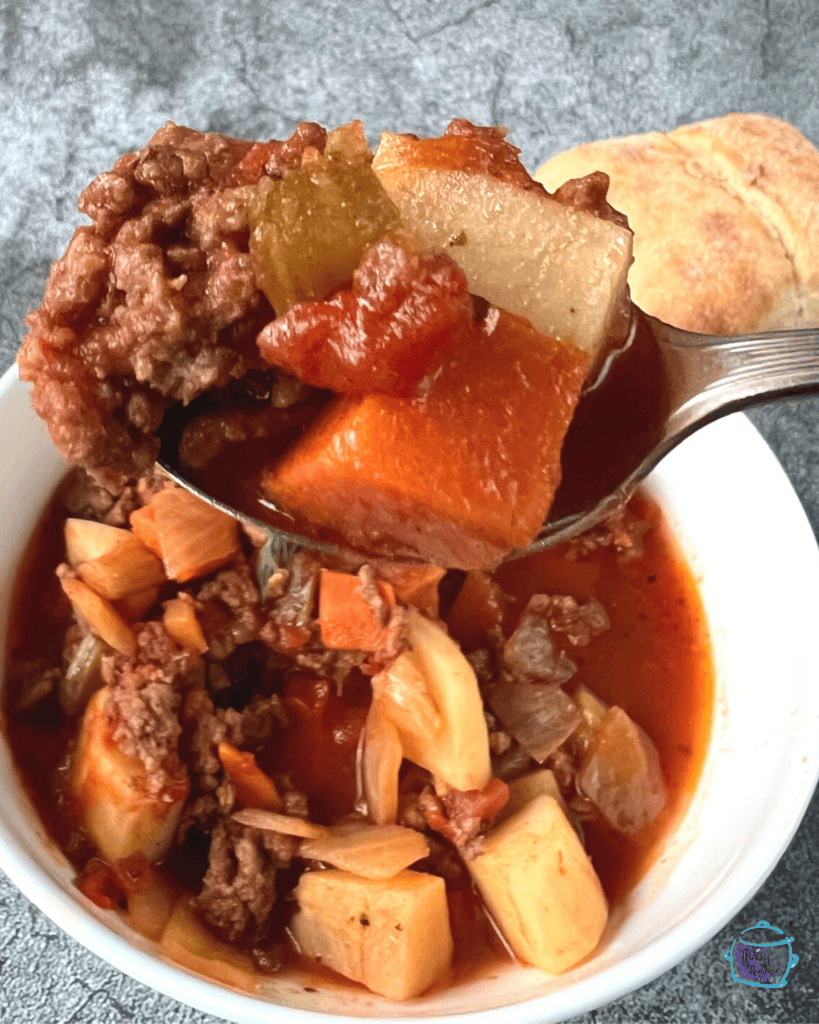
(725, 215)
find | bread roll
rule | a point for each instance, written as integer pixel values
(725, 215)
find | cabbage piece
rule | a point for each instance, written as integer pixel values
(431, 695)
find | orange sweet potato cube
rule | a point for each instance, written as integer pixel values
(459, 476)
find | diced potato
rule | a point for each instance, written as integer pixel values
(391, 935)
(195, 538)
(179, 618)
(109, 793)
(431, 694)
(104, 620)
(527, 787)
(187, 941)
(370, 851)
(253, 788)
(380, 764)
(541, 888)
(125, 569)
(561, 268)
(86, 540)
(284, 823)
(592, 712)
(150, 910)
(621, 774)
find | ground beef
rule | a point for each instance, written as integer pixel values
(229, 610)
(578, 623)
(463, 816)
(239, 888)
(158, 659)
(531, 652)
(540, 716)
(207, 727)
(146, 726)
(623, 530)
(155, 302)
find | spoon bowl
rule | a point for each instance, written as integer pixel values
(651, 393)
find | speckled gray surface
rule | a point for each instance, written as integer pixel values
(80, 82)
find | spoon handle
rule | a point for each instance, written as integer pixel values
(710, 376)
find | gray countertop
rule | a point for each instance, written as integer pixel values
(82, 81)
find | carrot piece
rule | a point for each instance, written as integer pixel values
(143, 523)
(345, 618)
(253, 787)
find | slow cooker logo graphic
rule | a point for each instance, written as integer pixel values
(761, 964)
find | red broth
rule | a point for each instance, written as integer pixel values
(654, 661)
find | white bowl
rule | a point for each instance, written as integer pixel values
(723, 493)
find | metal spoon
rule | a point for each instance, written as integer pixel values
(658, 389)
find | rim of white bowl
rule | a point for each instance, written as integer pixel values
(659, 955)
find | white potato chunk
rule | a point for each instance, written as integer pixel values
(541, 888)
(563, 269)
(391, 935)
(431, 694)
(110, 794)
(371, 851)
(187, 941)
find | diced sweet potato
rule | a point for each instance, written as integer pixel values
(346, 620)
(253, 787)
(458, 477)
